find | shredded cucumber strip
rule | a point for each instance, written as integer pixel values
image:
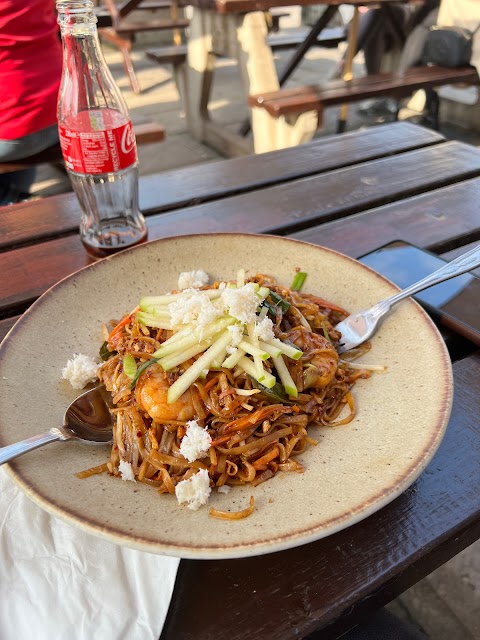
(217, 363)
(157, 322)
(253, 350)
(233, 359)
(192, 373)
(252, 338)
(272, 351)
(285, 377)
(152, 302)
(240, 278)
(286, 349)
(157, 312)
(179, 357)
(249, 367)
(186, 330)
(193, 337)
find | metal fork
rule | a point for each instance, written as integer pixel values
(360, 326)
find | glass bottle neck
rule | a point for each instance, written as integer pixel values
(76, 18)
(86, 80)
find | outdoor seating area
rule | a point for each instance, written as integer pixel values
(264, 147)
(393, 85)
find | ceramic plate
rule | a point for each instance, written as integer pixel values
(355, 469)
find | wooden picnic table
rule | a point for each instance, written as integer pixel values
(352, 192)
(237, 29)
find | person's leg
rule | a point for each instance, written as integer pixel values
(412, 52)
(411, 56)
(15, 186)
(368, 23)
(28, 145)
(383, 39)
(374, 45)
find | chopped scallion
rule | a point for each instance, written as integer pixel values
(325, 332)
(278, 301)
(275, 393)
(298, 281)
(140, 370)
(105, 352)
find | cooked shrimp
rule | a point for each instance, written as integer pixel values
(151, 395)
(320, 358)
(321, 369)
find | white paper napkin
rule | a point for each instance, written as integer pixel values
(57, 581)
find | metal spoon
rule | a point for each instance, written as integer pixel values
(359, 326)
(87, 419)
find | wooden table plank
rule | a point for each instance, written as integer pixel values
(32, 269)
(288, 208)
(350, 573)
(243, 6)
(195, 184)
(59, 215)
(431, 220)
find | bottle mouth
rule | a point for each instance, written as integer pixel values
(75, 14)
(74, 6)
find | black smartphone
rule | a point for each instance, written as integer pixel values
(455, 303)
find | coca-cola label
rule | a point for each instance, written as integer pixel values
(103, 151)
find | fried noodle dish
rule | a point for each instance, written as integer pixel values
(217, 385)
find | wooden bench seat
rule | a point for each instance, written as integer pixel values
(329, 38)
(145, 133)
(104, 18)
(173, 54)
(126, 28)
(317, 97)
(177, 55)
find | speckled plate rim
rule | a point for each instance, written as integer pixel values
(246, 549)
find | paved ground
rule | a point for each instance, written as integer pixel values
(446, 603)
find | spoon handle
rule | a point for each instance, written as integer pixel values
(463, 263)
(19, 448)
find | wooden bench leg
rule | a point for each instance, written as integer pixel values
(128, 64)
(258, 72)
(199, 72)
(177, 36)
(347, 72)
(204, 25)
(125, 46)
(243, 37)
(180, 77)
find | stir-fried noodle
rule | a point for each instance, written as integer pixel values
(254, 431)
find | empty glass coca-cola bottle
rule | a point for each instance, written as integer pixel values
(97, 138)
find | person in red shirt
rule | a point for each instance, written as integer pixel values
(30, 72)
